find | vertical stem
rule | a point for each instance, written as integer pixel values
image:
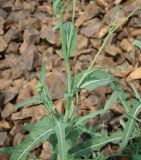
(69, 75)
(69, 96)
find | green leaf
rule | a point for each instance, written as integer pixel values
(39, 132)
(44, 92)
(70, 39)
(95, 144)
(33, 101)
(135, 92)
(91, 132)
(136, 157)
(137, 43)
(47, 100)
(43, 74)
(90, 115)
(92, 79)
(130, 126)
(62, 143)
(111, 101)
(57, 6)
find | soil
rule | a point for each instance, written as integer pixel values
(27, 39)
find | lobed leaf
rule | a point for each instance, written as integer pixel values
(33, 101)
(90, 115)
(111, 101)
(95, 144)
(39, 132)
(130, 126)
(92, 79)
(62, 143)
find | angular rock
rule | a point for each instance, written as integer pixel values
(3, 137)
(96, 43)
(17, 16)
(3, 44)
(91, 10)
(90, 102)
(29, 57)
(126, 45)
(2, 22)
(4, 125)
(17, 128)
(117, 2)
(36, 112)
(9, 108)
(46, 151)
(18, 139)
(129, 7)
(14, 62)
(136, 74)
(29, 23)
(117, 108)
(1, 99)
(112, 50)
(7, 6)
(59, 106)
(10, 35)
(4, 83)
(29, 6)
(136, 32)
(48, 34)
(30, 37)
(82, 42)
(92, 27)
(102, 3)
(48, 58)
(4, 156)
(118, 17)
(10, 93)
(135, 22)
(13, 47)
(56, 82)
(6, 74)
(24, 94)
(3, 14)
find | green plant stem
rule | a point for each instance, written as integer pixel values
(69, 95)
(69, 76)
(60, 17)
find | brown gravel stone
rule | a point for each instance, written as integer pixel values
(3, 44)
(8, 110)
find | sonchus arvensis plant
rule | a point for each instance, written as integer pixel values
(64, 132)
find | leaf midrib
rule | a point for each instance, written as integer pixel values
(33, 143)
(96, 145)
